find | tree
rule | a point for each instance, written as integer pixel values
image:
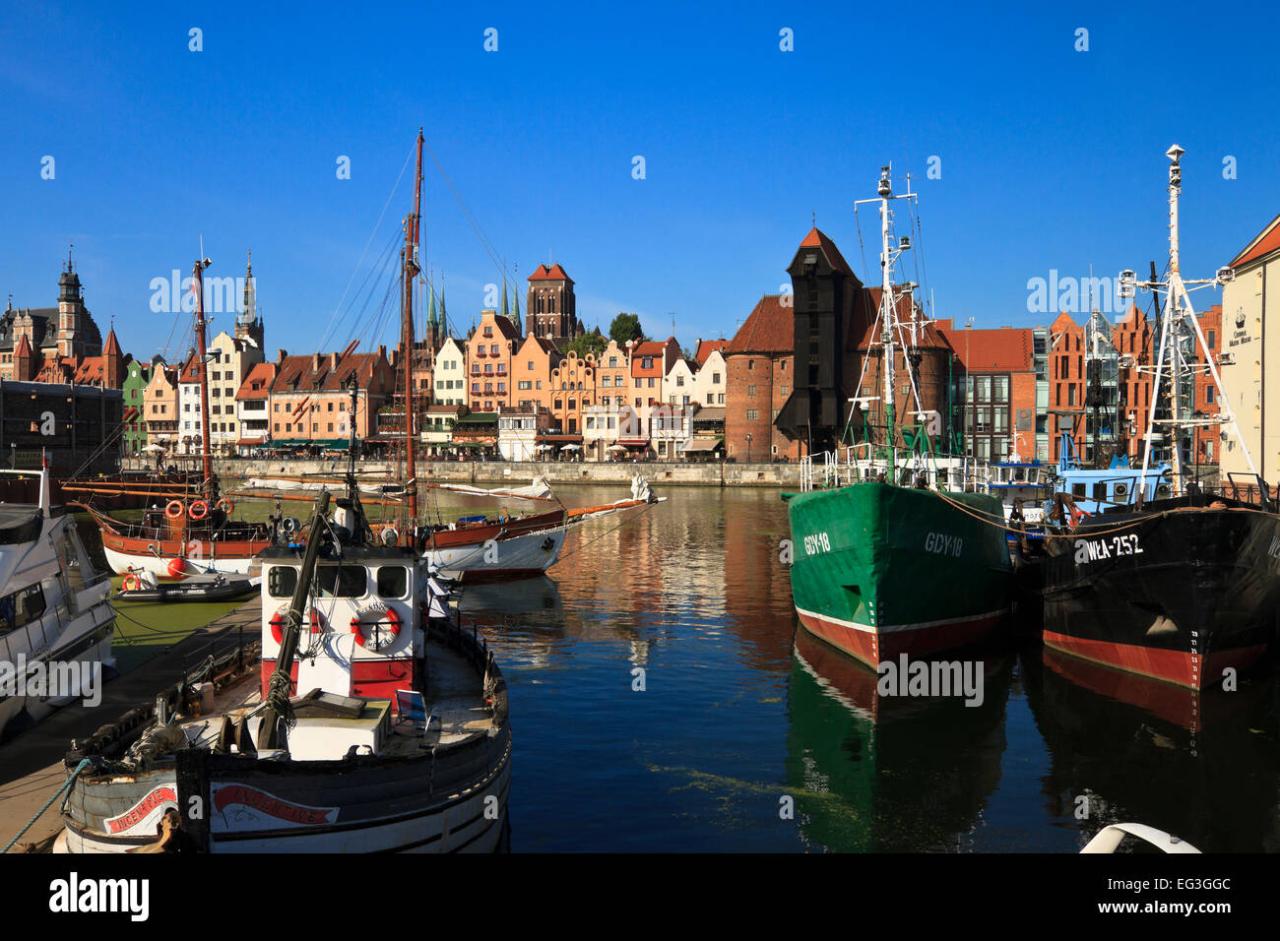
(626, 327)
(587, 343)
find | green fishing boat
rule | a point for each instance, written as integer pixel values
(899, 551)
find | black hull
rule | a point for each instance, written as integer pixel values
(1177, 592)
(240, 588)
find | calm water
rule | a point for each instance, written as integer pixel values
(734, 717)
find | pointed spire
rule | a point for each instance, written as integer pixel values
(431, 305)
(506, 310)
(444, 317)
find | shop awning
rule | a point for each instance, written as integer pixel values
(634, 442)
(705, 445)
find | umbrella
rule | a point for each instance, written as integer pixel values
(571, 447)
(616, 447)
(153, 447)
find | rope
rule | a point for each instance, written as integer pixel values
(84, 763)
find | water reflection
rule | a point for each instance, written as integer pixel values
(1202, 765)
(889, 773)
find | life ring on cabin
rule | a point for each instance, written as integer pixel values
(389, 616)
(198, 510)
(173, 510)
(226, 506)
(131, 582)
(315, 619)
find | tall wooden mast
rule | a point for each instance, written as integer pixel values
(411, 269)
(208, 486)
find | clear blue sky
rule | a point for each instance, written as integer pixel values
(1051, 158)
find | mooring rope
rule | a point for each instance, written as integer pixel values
(84, 763)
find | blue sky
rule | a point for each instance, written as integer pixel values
(1051, 158)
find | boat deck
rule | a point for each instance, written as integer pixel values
(455, 703)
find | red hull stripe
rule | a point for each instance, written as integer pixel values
(1172, 666)
(373, 679)
(871, 647)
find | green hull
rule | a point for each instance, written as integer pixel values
(879, 570)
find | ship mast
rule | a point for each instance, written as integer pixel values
(411, 269)
(208, 486)
(888, 317)
(1176, 317)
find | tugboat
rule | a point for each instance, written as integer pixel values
(364, 727)
(55, 618)
(883, 567)
(1145, 573)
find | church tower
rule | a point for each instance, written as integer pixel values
(71, 312)
(551, 311)
(248, 324)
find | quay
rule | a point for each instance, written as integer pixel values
(659, 473)
(33, 760)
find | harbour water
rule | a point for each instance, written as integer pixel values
(659, 703)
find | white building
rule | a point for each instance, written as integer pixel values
(518, 431)
(671, 430)
(678, 384)
(450, 375)
(711, 381)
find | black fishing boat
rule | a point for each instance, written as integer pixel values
(1145, 572)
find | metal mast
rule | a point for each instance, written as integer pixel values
(1178, 321)
(411, 270)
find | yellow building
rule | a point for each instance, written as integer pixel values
(1251, 354)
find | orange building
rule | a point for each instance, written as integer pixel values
(1066, 382)
(531, 366)
(613, 375)
(573, 388)
(490, 349)
(1208, 441)
(650, 361)
(310, 401)
(1132, 337)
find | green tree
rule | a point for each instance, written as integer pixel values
(626, 327)
(587, 343)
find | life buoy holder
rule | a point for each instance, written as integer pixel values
(388, 616)
(226, 506)
(198, 510)
(173, 509)
(315, 619)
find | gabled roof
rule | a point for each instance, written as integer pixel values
(929, 334)
(257, 382)
(1264, 243)
(550, 273)
(706, 348)
(818, 239)
(508, 329)
(770, 328)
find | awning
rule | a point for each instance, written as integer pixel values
(703, 445)
(571, 447)
(251, 442)
(634, 442)
(615, 447)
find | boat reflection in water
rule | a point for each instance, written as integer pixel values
(873, 773)
(1202, 765)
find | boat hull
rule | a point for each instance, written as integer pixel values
(1179, 595)
(879, 570)
(232, 558)
(497, 553)
(369, 806)
(87, 639)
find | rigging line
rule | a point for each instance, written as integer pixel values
(466, 211)
(355, 313)
(377, 225)
(385, 274)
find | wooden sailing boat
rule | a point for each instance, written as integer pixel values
(191, 529)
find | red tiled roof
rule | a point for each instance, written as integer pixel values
(190, 371)
(257, 383)
(551, 273)
(112, 347)
(90, 370)
(318, 374)
(1006, 349)
(818, 239)
(706, 348)
(24, 346)
(770, 328)
(1264, 243)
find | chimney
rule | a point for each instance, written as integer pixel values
(382, 351)
(281, 354)
(333, 361)
(315, 362)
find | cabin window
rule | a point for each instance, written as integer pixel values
(1100, 490)
(21, 607)
(342, 581)
(1077, 490)
(282, 580)
(393, 581)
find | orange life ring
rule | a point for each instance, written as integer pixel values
(173, 509)
(131, 582)
(315, 619)
(198, 510)
(389, 616)
(226, 506)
